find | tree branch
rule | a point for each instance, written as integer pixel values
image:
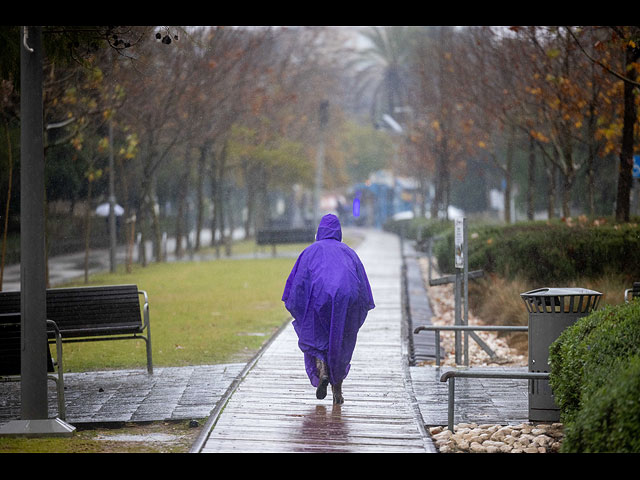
(597, 62)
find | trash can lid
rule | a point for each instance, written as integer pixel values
(548, 292)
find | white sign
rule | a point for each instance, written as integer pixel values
(458, 241)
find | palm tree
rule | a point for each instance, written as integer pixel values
(382, 69)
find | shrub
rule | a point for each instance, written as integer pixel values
(590, 364)
(548, 253)
(609, 420)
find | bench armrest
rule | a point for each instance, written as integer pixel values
(145, 308)
(58, 335)
(62, 412)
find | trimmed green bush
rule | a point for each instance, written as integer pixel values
(590, 376)
(609, 421)
(547, 253)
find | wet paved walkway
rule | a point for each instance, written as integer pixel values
(274, 408)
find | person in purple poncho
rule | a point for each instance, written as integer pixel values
(328, 295)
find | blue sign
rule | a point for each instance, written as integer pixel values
(356, 207)
(636, 166)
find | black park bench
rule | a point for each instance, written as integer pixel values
(85, 314)
(10, 354)
(631, 293)
(280, 236)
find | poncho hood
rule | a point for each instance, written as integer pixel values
(329, 228)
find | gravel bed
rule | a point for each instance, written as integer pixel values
(487, 438)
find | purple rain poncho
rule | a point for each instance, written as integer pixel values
(328, 294)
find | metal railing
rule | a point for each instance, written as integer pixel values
(451, 375)
(438, 328)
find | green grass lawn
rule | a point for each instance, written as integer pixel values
(213, 312)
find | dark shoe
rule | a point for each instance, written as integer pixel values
(321, 391)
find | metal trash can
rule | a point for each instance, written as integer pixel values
(551, 310)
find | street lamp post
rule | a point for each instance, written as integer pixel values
(323, 116)
(33, 309)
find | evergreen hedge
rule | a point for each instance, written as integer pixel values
(541, 252)
(595, 377)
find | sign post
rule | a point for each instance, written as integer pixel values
(461, 290)
(462, 284)
(459, 224)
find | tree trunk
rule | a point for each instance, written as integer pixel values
(87, 232)
(155, 224)
(222, 217)
(250, 200)
(591, 181)
(593, 146)
(263, 208)
(507, 176)
(227, 201)
(551, 192)
(182, 218)
(423, 196)
(568, 176)
(142, 220)
(215, 194)
(626, 150)
(567, 186)
(531, 180)
(129, 221)
(440, 200)
(204, 150)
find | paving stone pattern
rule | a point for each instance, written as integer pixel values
(171, 393)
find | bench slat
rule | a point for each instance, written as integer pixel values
(293, 235)
(86, 311)
(84, 314)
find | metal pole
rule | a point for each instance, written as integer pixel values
(459, 266)
(465, 250)
(430, 261)
(451, 403)
(317, 192)
(323, 115)
(457, 319)
(33, 286)
(32, 230)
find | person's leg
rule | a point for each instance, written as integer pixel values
(323, 374)
(337, 393)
